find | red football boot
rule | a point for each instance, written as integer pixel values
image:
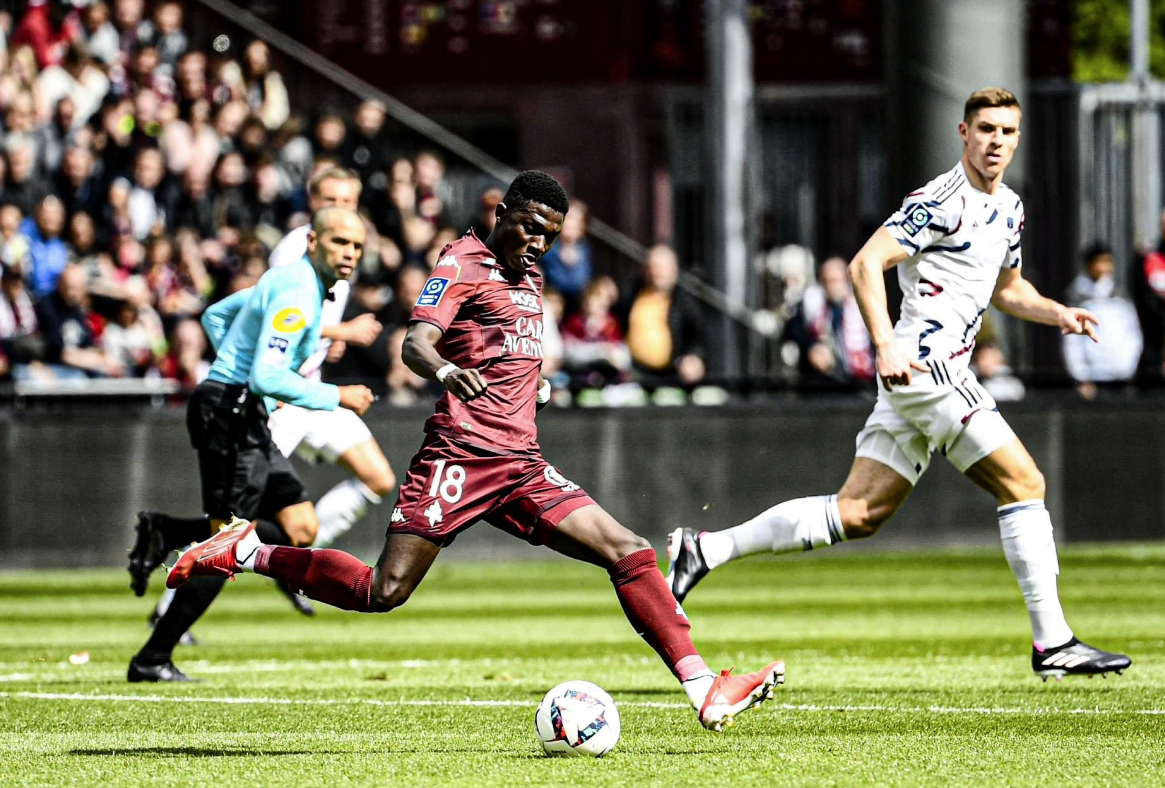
(730, 695)
(214, 557)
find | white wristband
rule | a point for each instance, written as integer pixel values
(446, 371)
(543, 392)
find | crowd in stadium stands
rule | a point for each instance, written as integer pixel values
(142, 179)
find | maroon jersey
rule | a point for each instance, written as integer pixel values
(492, 322)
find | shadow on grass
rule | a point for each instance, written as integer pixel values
(197, 752)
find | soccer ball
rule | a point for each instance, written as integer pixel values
(577, 718)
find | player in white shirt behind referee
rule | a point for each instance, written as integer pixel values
(956, 243)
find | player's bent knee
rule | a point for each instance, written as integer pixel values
(389, 593)
(632, 544)
(861, 518)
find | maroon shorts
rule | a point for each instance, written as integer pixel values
(450, 486)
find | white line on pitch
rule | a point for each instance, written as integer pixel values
(76, 696)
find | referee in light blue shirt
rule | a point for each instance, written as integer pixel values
(262, 336)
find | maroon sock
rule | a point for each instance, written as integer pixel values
(329, 576)
(650, 607)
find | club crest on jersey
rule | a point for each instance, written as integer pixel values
(526, 301)
(917, 217)
(434, 290)
(450, 261)
(289, 320)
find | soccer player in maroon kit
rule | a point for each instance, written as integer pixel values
(477, 329)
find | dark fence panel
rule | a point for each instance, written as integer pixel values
(70, 485)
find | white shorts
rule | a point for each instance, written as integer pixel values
(316, 434)
(946, 410)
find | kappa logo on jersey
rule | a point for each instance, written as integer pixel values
(526, 301)
(434, 291)
(278, 343)
(554, 477)
(289, 320)
(450, 262)
(397, 516)
(917, 217)
(495, 275)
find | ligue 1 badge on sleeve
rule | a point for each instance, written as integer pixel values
(917, 217)
(434, 290)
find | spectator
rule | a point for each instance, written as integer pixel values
(133, 339)
(100, 35)
(1148, 277)
(664, 325)
(190, 80)
(77, 185)
(270, 209)
(265, 92)
(132, 29)
(148, 201)
(24, 188)
(567, 265)
(483, 225)
(371, 147)
(21, 344)
(189, 141)
(1114, 359)
(186, 361)
(995, 375)
(593, 349)
(20, 117)
(14, 245)
(229, 205)
(167, 36)
(114, 143)
(83, 249)
(51, 137)
(828, 330)
(330, 137)
(195, 209)
(75, 78)
(251, 141)
(48, 26)
(429, 174)
(69, 330)
(47, 250)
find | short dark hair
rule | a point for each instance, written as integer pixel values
(989, 97)
(537, 187)
(1094, 250)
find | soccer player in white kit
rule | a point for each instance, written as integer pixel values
(341, 439)
(956, 243)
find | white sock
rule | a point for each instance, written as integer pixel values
(1026, 530)
(792, 526)
(340, 508)
(164, 601)
(246, 549)
(697, 689)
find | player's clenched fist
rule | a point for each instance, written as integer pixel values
(465, 384)
(357, 398)
(363, 330)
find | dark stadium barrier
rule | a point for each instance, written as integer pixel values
(72, 483)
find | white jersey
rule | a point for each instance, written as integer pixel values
(290, 249)
(959, 238)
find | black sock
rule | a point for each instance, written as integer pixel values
(188, 605)
(178, 532)
(270, 533)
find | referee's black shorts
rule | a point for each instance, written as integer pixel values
(243, 473)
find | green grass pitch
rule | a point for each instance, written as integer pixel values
(903, 670)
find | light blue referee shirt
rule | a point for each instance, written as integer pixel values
(264, 334)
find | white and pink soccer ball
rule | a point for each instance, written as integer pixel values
(577, 718)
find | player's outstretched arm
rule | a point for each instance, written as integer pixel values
(419, 353)
(881, 253)
(1018, 297)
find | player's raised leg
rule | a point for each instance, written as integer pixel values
(344, 504)
(871, 494)
(330, 576)
(590, 534)
(1011, 476)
